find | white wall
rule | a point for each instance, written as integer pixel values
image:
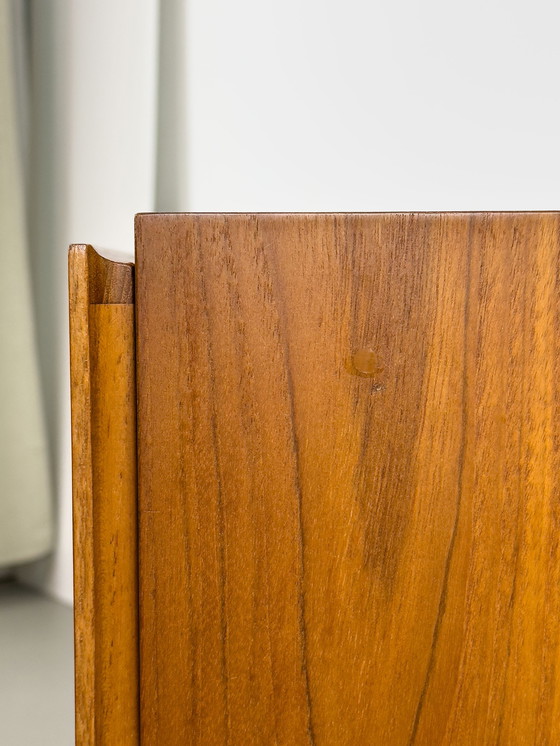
(294, 105)
(93, 165)
(372, 105)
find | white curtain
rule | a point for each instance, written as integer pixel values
(26, 525)
(93, 119)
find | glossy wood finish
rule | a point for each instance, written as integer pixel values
(104, 499)
(349, 479)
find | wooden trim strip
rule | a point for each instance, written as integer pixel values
(103, 392)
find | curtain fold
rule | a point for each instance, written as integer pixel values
(26, 526)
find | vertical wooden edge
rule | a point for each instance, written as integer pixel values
(82, 499)
(106, 663)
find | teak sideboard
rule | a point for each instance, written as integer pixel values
(316, 466)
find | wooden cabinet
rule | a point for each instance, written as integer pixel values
(347, 488)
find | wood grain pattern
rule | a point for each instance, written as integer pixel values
(104, 499)
(348, 479)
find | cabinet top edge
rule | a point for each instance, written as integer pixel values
(142, 216)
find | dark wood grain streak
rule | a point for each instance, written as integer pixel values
(298, 492)
(334, 550)
(460, 486)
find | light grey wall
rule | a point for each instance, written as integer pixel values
(372, 105)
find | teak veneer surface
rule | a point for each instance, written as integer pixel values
(349, 479)
(104, 499)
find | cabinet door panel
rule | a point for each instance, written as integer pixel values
(348, 478)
